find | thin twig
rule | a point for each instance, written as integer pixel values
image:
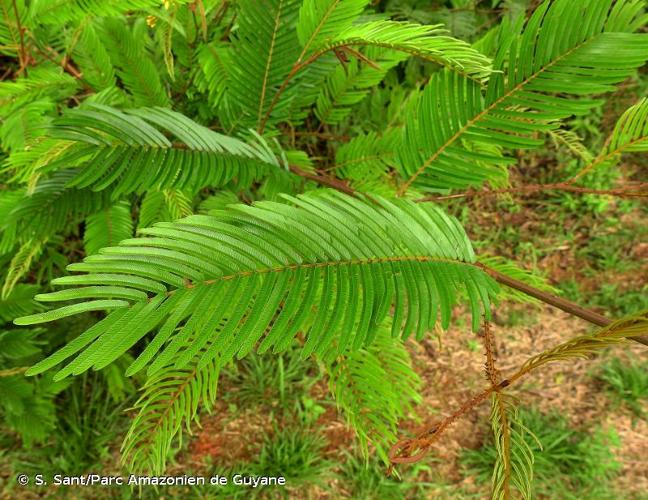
(635, 191)
(324, 180)
(553, 300)
(22, 54)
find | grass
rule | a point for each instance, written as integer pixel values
(364, 480)
(295, 454)
(626, 383)
(291, 452)
(572, 464)
(274, 380)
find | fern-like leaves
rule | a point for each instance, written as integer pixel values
(630, 135)
(264, 51)
(128, 152)
(567, 49)
(328, 265)
(374, 388)
(514, 463)
(108, 227)
(584, 346)
(50, 208)
(170, 399)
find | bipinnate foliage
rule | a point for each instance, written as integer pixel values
(566, 49)
(354, 259)
(514, 465)
(170, 398)
(127, 152)
(269, 153)
(375, 387)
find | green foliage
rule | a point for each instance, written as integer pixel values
(274, 380)
(170, 399)
(291, 262)
(512, 270)
(272, 155)
(571, 463)
(459, 127)
(514, 461)
(367, 480)
(626, 383)
(107, 228)
(114, 149)
(375, 387)
(296, 455)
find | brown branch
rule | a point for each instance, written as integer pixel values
(22, 54)
(492, 373)
(636, 191)
(64, 63)
(475, 119)
(553, 300)
(408, 451)
(413, 450)
(324, 180)
(493, 376)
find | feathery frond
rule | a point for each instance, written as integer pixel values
(514, 464)
(25, 124)
(43, 81)
(214, 62)
(162, 206)
(320, 20)
(93, 59)
(374, 388)
(20, 264)
(134, 66)
(263, 53)
(170, 400)
(630, 135)
(50, 209)
(366, 160)
(572, 141)
(10, 26)
(429, 42)
(19, 303)
(584, 346)
(128, 153)
(349, 84)
(260, 269)
(567, 49)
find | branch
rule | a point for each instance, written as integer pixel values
(493, 376)
(324, 180)
(64, 63)
(408, 451)
(22, 54)
(412, 450)
(638, 191)
(553, 300)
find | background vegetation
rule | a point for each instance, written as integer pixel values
(67, 66)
